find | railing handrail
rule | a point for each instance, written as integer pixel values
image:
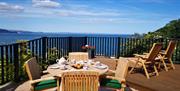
(105, 46)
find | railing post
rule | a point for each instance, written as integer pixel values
(70, 44)
(85, 41)
(118, 48)
(16, 63)
(44, 48)
(2, 65)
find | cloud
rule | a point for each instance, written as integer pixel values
(45, 3)
(117, 20)
(67, 12)
(5, 7)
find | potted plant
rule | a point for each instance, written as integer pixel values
(90, 50)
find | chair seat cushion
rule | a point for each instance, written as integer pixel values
(45, 84)
(110, 83)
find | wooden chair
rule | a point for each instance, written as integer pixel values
(79, 81)
(78, 56)
(167, 54)
(148, 60)
(118, 80)
(34, 73)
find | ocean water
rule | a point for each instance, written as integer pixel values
(8, 38)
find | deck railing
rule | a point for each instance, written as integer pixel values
(46, 48)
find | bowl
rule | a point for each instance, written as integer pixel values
(77, 66)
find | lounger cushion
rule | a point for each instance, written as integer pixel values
(45, 84)
(110, 83)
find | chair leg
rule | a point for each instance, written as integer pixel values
(155, 69)
(159, 65)
(133, 68)
(172, 65)
(162, 59)
(145, 70)
(58, 86)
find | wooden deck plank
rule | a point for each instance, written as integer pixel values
(166, 81)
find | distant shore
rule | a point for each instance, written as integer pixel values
(8, 38)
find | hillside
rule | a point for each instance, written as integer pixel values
(170, 30)
(6, 31)
(13, 31)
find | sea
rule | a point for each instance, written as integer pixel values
(9, 38)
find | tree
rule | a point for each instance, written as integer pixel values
(170, 30)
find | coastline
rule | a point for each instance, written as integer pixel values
(8, 38)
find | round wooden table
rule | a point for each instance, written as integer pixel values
(58, 71)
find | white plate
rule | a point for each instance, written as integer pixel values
(101, 67)
(54, 67)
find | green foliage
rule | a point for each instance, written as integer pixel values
(25, 54)
(137, 35)
(9, 71)
(51, 57)
(170, 30)
(137, 46)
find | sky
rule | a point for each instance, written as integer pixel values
(88, 16)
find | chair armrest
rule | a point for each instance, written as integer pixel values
(108, 73)
(41, 79)
(140, 56)
(111, 71)
(135, 54)
(145, 53)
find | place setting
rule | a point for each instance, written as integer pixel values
(99, 65)
(61, 64)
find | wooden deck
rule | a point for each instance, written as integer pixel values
(166, 81)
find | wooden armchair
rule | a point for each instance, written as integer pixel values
(148, 60)
(117, 81)
(34, 73)
(167, 54)
(79, 81)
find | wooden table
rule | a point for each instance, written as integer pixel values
(58, 71)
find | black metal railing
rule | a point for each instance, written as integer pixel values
(47, 48)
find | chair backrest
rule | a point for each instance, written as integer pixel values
(170, 49)
(33, 69)
(78, 56)
(154, 51)
(121, 68)
(80, 81)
